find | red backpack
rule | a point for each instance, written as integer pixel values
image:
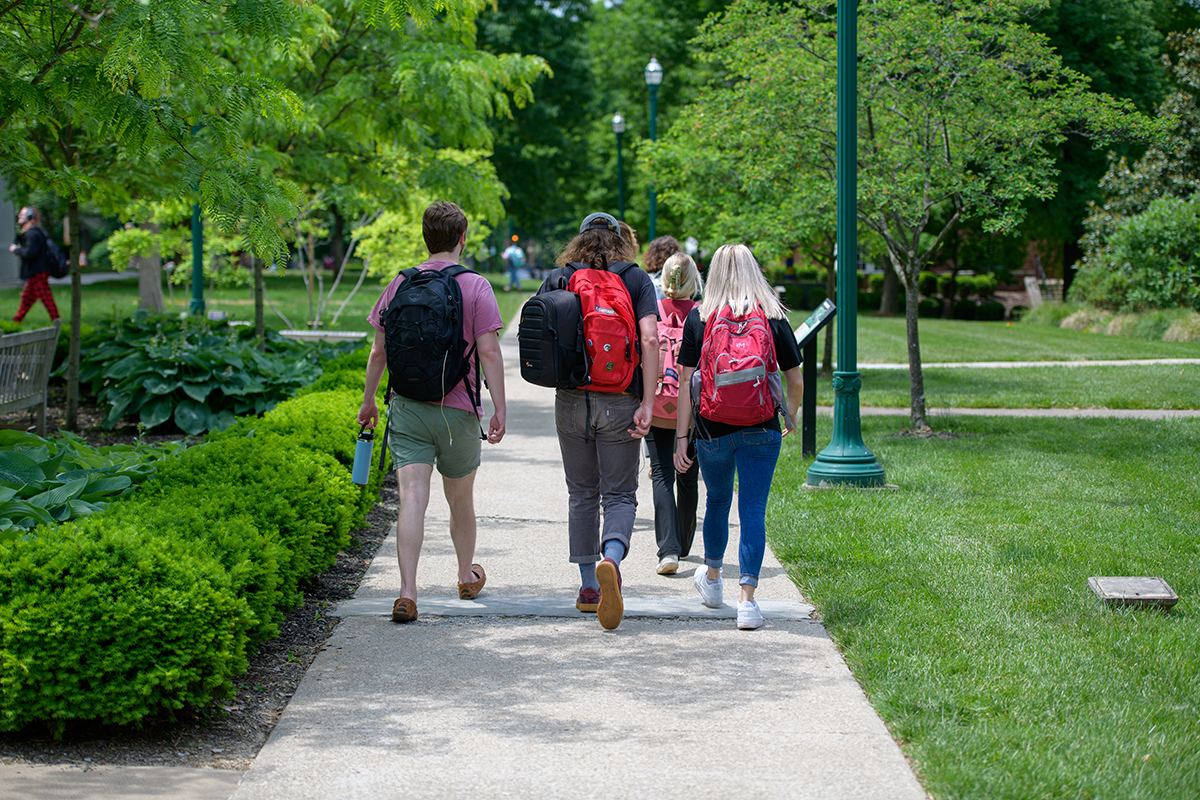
(670, 337)
(610, 337)
(737, 360)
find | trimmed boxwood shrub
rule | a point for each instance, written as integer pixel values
(965, 309)
(113, 626)
(209, 520)
(323, 422)
(930, 307)
(869, 301)
(991, 311)
(306, 496)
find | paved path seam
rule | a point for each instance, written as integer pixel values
(560, 606)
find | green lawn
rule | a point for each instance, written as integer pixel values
(961, 601)
(881, 340)
(101, 301)
(1136, 386)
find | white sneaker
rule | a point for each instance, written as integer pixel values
(667, 565)
(749, 615)
(710, 592)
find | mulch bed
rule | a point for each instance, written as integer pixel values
(229, 734)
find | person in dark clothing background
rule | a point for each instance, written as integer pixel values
(32, 251)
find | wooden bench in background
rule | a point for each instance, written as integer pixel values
(25, 362)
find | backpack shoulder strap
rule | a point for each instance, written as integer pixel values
(619, 267)
(456, 270)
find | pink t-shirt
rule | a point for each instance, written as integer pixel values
(481, 315)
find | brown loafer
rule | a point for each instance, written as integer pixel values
(469, 591)
(404, 610)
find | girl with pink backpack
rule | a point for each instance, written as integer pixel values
(736, 343)
(674, 517)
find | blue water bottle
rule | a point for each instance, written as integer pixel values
(362, 456)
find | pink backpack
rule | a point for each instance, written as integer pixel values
(670, 337)
(737, 362)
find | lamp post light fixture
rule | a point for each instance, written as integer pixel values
(618, 123)
(847, 460)
(654, 76)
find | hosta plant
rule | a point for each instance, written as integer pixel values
(50, 481)
(199, 373)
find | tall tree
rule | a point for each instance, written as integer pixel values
(958, 104)
(1118, 45)
(541, 152)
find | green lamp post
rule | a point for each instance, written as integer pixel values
(618, 123)
(654, 76)
(847, 460)
(197, 304)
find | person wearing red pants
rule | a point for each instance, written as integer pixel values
(33, 252)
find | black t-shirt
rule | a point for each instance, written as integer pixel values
(32, 252)
(787, 354)
(643, 298)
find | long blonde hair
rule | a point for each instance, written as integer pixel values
(736, 280)
(680, 278)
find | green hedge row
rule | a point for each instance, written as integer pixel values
(151, 606)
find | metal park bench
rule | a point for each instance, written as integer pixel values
(25, 362)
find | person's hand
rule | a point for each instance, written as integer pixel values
(682, 462)
(369, 414)
(641, 421)
(496, 428)
(12, 248)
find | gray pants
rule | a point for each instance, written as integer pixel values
(603, 471)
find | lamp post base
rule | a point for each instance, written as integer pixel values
(846, 460)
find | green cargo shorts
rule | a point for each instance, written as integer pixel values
(427, 433)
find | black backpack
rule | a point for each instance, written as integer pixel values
(54, 260)
(423, 339)
(550, 336)
(550, 340)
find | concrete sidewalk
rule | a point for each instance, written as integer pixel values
(518, 694)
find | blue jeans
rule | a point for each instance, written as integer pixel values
(753, 452)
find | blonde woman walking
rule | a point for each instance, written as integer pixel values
(738, 338)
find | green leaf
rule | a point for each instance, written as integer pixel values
(19, 468)
(116, 483)
(14, 438)
(60, 494)
(157, 411)
(129, 365)
(192, 417)
(7, 493)
(82, 508)
(198, 391)
(160, 385)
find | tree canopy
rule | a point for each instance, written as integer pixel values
(960, 105)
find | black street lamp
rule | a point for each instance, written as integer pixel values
(654, 76)
(618, 123)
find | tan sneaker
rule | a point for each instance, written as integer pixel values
(668, 565)
(612, 607)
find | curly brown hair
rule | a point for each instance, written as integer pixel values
(587, 247)
(659, 251)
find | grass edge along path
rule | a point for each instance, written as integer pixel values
(961, 601)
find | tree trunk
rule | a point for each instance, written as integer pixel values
(337, 247)
(915, 374)
(150, 296)
(890, 302)
(260, 331)
(71, 421)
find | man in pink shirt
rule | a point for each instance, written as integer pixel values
(446, 434)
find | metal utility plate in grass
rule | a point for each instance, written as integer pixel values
(1134, 591)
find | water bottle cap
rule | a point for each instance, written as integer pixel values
(366, 435)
